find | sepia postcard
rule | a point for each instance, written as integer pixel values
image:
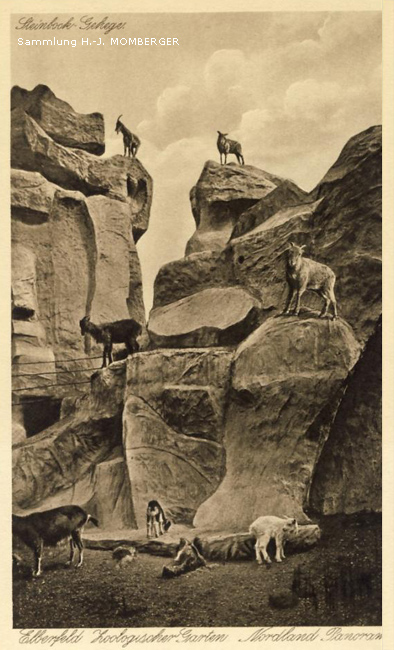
(197, 360)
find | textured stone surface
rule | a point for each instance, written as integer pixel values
(31, 196)
(340, 225)
(187, 388)
(220, 196)
(208, 318)
(348, 476)
(182, 278)
(48, 468)
(118, 177)
(112, 494)
(59, 120)
(283, 377)
(180, 471)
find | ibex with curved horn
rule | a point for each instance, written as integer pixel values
(131, 142)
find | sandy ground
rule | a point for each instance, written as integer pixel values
(341, 585)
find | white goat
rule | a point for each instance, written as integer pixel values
(226, 146)
(302, 274)
(270, 527)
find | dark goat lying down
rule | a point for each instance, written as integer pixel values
(187, 558)
(50, 527)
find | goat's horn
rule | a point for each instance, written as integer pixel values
(119, 116)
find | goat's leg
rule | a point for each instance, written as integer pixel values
(109, 352)
(288, 301)
(263, 548)
(103, 365)
(257, 551)
(279, 548)
(38, 548)
(72, 550)
(300, 292)
(76, 536)
(333, 302)
(326, 299)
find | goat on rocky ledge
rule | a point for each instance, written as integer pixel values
(120, 331)
(302, 274)
(226, 146)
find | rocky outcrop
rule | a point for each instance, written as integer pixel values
(283, 377)
(348, 475)
(223, 193)
(261, 413)
(340, 225)
(59, 120)
(57, 466)
(288, 379)
(182, 469)
(212, 317)
(76, 219)
(173, 428)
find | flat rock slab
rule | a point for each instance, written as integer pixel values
(211, 317)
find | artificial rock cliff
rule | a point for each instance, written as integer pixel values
(76, 219)
(235, 410)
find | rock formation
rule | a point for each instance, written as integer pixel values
(235, 410)
(76, 219)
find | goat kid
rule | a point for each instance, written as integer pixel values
(120, 331)
(304, 274)
(226, 146)
(49, 527)
(131, 142)
(187, 559)
(156, 522)
(269, 527)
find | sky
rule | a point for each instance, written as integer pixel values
(291, 87)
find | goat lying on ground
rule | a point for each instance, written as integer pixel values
(226, 146)
(50, 527)
(123, 555)
(156, 522)
(120, 331)
(131, 142)
(187, 559)
(302, 274)
(266, 528)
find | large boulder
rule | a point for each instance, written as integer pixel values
(173, 428)
(209, 318)
(222, 194)
(286, 379)
(57, 466)
(187, 388)
(59, 120)
(348, 476)
(178, 470)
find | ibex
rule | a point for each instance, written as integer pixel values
(131, 142)
(302, 274)
(227, 146)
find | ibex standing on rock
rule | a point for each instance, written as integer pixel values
(227, 146)
(131, 142)
(302, 274)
